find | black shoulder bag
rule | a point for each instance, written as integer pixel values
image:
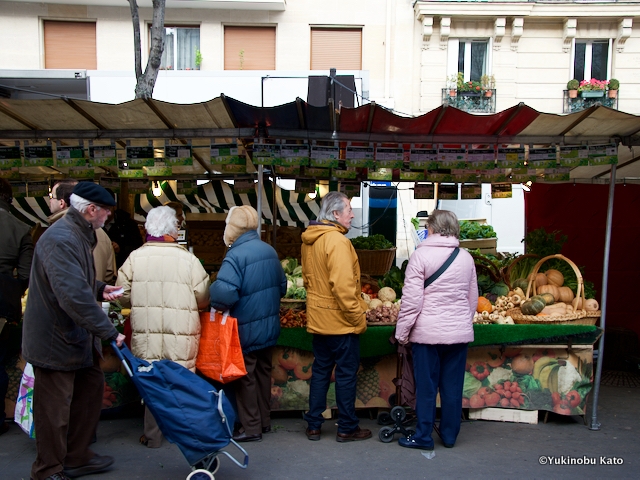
(441, 270)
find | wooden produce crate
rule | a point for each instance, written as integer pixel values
(485, 245)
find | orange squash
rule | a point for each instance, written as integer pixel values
(483, 305)
(552, 289)
(566, 295)
(554, 277)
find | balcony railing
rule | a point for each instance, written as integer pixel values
(572, 105)
(477, 102)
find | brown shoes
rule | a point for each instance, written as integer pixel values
(357, 434)
(313, 434)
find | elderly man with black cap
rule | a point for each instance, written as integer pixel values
(62, 332)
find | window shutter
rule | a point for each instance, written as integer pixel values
(70, 45)
(249, 48)
(339, 48)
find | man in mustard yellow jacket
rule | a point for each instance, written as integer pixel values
(335, 315)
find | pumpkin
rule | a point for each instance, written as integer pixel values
(566, 294)
(533, 306)
(552, 289)
(484, 305)
(540, 279)
(591, 305)
(548, 298)
(521, 283)
(554, 277)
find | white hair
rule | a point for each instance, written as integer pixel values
(80, 204)
(162, 221)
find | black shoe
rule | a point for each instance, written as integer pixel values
(313, 434)
(266, 429)
(98, 463)
(409, 442)
(243, 437)
(448, 445)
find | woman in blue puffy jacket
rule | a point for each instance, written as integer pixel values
(250, 284)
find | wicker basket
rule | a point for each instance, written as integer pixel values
(376, 262)
(576, 318)
(293, 303)
(507, 270)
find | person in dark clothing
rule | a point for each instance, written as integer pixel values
(16, 253)
(63, 328)
(124, 234)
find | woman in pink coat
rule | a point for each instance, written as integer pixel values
(438, 321)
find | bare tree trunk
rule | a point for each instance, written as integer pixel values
(147, 80)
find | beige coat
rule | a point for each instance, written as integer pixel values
(164, 285)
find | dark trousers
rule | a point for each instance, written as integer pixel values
(343, 351)
(253, 392)
(4, 378)
(438, 367)
(66, 411)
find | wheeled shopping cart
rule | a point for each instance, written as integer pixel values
(188, 410)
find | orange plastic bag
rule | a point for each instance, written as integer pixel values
(220, 354)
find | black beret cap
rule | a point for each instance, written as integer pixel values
(94, 193)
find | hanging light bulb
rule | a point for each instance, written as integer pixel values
(156, 190)
(527, 186)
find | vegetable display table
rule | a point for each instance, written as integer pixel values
(543, 367)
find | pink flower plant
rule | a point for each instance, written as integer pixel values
(593, 85)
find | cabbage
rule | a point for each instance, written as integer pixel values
(500, 289)
(289, 265)
(471, 385)
(297, 271)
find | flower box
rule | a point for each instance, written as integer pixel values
(592, 93)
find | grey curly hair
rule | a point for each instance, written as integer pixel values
(444, 222)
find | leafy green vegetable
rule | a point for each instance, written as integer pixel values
(541, 243)
(471, 230)
(485, 284)
(372, 242)
(394, 278)
(289, 265)
(416, 223)
(471, 385)
(300, 293)
(500, 289)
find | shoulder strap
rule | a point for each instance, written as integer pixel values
(441, 270)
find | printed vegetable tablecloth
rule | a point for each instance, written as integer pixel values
(499, 373)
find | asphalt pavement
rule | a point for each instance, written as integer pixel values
(562, 448)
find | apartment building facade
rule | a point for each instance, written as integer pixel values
(403, 54)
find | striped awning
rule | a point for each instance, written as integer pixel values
(216, 196)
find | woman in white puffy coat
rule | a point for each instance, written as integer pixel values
(165, 286)
(438, 321)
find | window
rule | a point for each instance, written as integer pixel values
(471, 57)
(249, 48)
(180, 47)
(591, 59)
(70, 45)
(339, 48)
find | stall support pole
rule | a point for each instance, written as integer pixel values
(260, 192)
(274, 209)
(595, 425)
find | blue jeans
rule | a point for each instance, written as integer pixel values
(438, 367)
(343, 351)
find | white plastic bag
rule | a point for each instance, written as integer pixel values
(23, 415)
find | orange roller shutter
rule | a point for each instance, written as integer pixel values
(249, 48)
(70, 45)
(339, 48)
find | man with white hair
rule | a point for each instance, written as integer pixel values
(62, 332)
